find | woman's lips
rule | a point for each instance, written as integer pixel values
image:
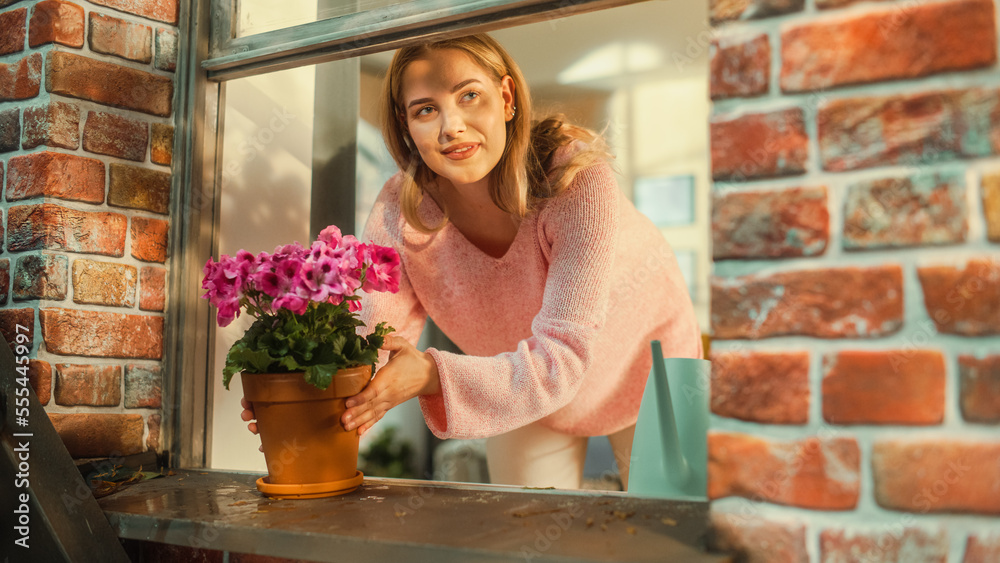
(461, 151)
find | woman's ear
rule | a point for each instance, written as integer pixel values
(507, 91)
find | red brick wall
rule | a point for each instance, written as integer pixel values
(856, 288)
(86, 134)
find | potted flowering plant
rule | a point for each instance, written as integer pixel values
(303, 356)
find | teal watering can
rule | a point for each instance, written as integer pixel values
(670, 447)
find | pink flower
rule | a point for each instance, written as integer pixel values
(330, 235)
(383, 272)
(229, 310)
(292, 302)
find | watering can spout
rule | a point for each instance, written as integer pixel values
(670, 450)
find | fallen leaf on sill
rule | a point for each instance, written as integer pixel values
(669, 521)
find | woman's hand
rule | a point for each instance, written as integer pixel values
(407, 374)
(248, 416)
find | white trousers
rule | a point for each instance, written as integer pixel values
(535, 456)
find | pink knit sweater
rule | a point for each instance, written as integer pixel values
(558, 329)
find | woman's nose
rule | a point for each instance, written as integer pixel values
(452, 124)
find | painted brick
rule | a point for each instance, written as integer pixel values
(50, 174)
(740, 67)
(41, 276)
(77, 76)
(979, 384)
(40, 379)
(149, 239)
(884, 387)
(139, 188)
(153, 437)
(159, 10)
(104, 283)
(727, 10)
(902, 545)
(759, 145)
(56, 124)
(10, 130)
(142, 386)
(11, 318)
(21, 79)
(878, 46)
(920, 210)
(51, 227)
(56, 21)
(991, 205)
(99, 435)
(937, 475)
(908, 129)
(115, 135)
(13, 28)
(101, 334)
(982, 549)
(963, 301)
(166, 49)
(826, 303)
(761, 387)
(121, 38)
(161, 150)
(810, 473)
(152, 295)
(755, 540)
(4, 280)
(99, 386)
(770, 224)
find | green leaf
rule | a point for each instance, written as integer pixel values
(321, 376)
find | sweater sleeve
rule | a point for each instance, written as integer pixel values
(401, 310)
(487, 396)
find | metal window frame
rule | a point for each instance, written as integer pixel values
(209, 54)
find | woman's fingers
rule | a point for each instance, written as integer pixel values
(252, 427)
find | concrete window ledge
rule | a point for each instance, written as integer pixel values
(220, 516)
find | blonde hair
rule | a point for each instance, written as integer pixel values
(522, 178)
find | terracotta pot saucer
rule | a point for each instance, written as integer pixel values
(309, 490)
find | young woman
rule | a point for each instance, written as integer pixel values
(516, 241)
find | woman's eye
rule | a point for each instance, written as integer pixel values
(426, 110)
(470, 96)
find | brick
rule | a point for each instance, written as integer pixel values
(115, 135)
(759, 145)
(10, 130)
(889, 44)
(77, 76)
(902, 545)
(937, 475)
(740, 67)
(810, 473)
(40, 378)
(121, 38)
(963, 301)
(755, 540)
(4, 280)
(104, 283)
(159, 10)
(884, 387)
(982, 549)
(13, 28)
(166, 49)
(51, 227)
(101, 334)
(991, 205)
(152, 295)
(770, 224)
(55, 21)
(56, 124)
(979, 384)
(761, 387)
(825, 303)
(161, 150)
(99, 435)
(99, 386)
(153, 437)
(50, 174)
(10, 319)
(143, 386)
(728, 10)
(149, 239)
(911, 129)
(139, 188)
(41, 276)
(21, 79)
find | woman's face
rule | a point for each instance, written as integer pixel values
(456, 114)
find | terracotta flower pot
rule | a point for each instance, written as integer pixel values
(308, 452)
